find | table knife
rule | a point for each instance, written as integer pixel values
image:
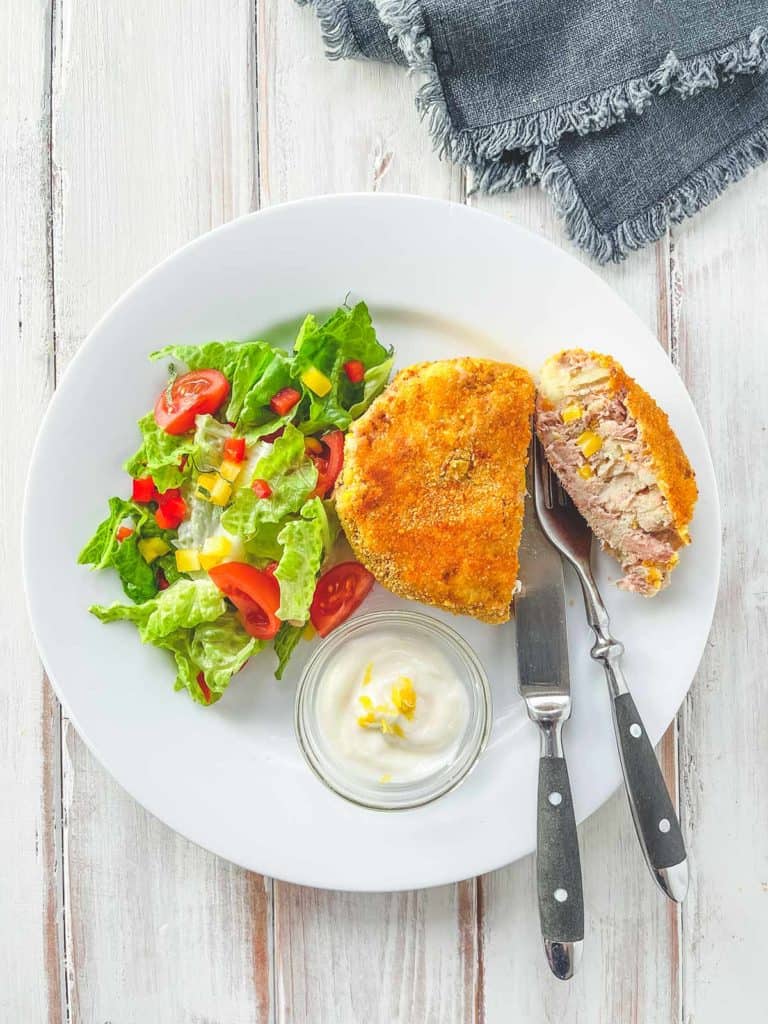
(544, 684)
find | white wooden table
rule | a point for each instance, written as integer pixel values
(127, 129)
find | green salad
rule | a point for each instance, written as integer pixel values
(225, 542)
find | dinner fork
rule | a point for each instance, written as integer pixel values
(656, 823)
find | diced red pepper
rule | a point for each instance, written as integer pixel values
(284, 401)
(234, 449)
(162, 582)
(183, 462)
(144, 490)
(261, 488)
(204, 687)
(172, 494)
(170, 513)
(123, 532)
(355, 370)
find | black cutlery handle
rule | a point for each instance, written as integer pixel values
(558, 866)
(656, 822)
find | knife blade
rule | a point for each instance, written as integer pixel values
(544, 684)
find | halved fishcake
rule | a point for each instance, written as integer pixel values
(431, 496)
(617, 457)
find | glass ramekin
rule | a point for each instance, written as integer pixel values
(391, 796)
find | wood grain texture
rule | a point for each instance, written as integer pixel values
(31, 960)
(720, 264)
(630, 966)
(343, 958)
(341, 126)
(153, 144)
(137, 127)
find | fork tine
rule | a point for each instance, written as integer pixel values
(563, 497)
(542, 478)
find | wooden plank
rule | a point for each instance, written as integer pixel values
(154, 143)
(720, 264)
(31, 986)
(630, 969)
(340, 957)
(342, 126)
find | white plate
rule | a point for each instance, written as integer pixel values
(441, 280)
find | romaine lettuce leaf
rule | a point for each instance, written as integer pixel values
(275, 375)
(305, 541)
(160, 455)
(264, 545)
(292, 476)
(285, 644)
(255, 371)
(218, 649)
(241, 362)
(100, 549)
(183, 605)
(137, 576)
(374, 382)
(103, 550)
(347, 334)
(210, 438)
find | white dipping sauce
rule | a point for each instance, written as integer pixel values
(391, 709)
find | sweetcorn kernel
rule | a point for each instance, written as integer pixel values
(571, 413)
(586, 471)
(589, 442)
(404, 697)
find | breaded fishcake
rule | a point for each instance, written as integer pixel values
(617, 456)
(431, 496)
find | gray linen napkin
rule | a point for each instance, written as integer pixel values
(631, 113)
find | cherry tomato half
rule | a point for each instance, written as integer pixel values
(329, 462)
(193, 394)
(338, 593)
(255, 594)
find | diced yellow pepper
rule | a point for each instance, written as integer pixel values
(316, 381)
(152, 548)
(211, 487)
(230, 470)
(586, 471)
(205, 484)
(214, 551)
(571, 413)
(221, 492)
(187, 560)
(589, 442)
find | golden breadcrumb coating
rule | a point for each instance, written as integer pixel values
(431, 494)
